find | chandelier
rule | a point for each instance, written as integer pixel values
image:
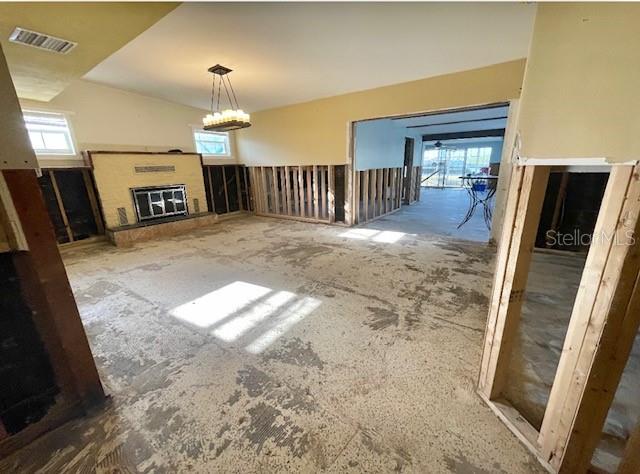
(225, 120)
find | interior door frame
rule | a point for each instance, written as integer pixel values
(503, 179)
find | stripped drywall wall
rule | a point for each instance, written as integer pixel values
(106, 118)
(580, 95)
(316, 132)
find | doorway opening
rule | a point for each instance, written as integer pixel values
(449, 167)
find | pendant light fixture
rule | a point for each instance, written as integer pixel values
(225, 120)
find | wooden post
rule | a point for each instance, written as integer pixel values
(399, 188)
(357, 197)
(323, 192)
(562, 191)
(296, 192)
(245, 171)
(316, 208)
(331, 197)
(603, 326)
(287, 181)
(365, 197)
(301, 186)
(630, 463)
(309, 192)
(512, 270)
(276, 189)
(379, 192)
(93, 200)
(265, 190)
(238, 188)
(63, 213)
(50, 290)
(224, 185)
(213, 206)
(374, 194)
(393, 187)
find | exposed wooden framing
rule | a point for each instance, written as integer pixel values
(323, 191)
(265, 189)
(316, 208)
(601, 332)
(238, 188)
(309, 192)
(283, 188)
(512, 269)
(301, 186)
(331, 196)
(357, 197)
(213, 207)
(296, 193)
(63, 212)
(385, 190)
(562, 192)
(399, 187)
(350, 204)
(224, 184)
(630, 463)
(296, 218)
(93, 200)
(287, 184)
(365, 197)
(245, 170)
(379, 192)
(276, 190)
(373, 180)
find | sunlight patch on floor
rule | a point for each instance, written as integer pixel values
(382, 236)
(241, 309)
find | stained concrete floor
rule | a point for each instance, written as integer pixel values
(438, 213)
(264, 345)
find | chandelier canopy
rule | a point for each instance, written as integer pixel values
(225, 120)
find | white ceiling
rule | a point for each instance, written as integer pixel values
(285, 53)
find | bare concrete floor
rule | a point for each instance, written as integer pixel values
(264, 345)
(438, 213)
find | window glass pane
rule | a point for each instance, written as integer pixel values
(210, 143)
(143, 205)
(49, 133)
(178, 199)
(55, 141)
(36, 140)
(168, 201)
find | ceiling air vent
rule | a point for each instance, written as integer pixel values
(41, 41)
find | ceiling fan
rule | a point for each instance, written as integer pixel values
(440, 145)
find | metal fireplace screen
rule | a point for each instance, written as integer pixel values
(156, 203)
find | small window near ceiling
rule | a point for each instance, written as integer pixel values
(49, 133)
(212, 143)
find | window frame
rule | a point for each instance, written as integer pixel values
(227, 136)
(73, 153)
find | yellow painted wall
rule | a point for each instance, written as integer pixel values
(115, 176)
(106, 118)
(580, 96)
(316, 132)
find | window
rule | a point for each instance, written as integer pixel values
(153, 203)
(212, 143)
(49, 133)
(442, 167)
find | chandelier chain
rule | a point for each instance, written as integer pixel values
(233, 92)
